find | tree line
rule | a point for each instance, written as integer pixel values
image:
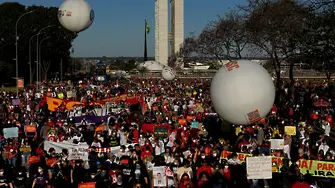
(280, 30)
(55, 48)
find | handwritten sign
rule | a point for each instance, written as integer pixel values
(161, 131)
(78, 153)
(259, 167)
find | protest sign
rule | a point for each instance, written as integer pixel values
(15, 102)
(277, 144)
(79, 152)
(161, 131)
(195, 125)
(290, 130)
(159, 176)
(259, 167)
(12, 132)
(34, 159)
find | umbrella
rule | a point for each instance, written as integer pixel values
(321, 103)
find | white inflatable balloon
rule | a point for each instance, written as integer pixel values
(168, 73)
(242, 92)
(76, 15)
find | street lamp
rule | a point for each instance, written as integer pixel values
(37, 55)
(40, 57)
(17, 51)
(30, 71)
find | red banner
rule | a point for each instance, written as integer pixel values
(34, 159)
(54, 103)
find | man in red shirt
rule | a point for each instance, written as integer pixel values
(12, 153)
(204, 168)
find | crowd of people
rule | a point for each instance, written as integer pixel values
(153, 133)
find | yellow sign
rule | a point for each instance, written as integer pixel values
(290, 130)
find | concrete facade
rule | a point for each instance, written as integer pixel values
(161, 31)
(162, 34)
(177, 25)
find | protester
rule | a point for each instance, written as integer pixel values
(128, 133)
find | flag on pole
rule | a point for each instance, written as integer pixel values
(147, 28)
(146, 31)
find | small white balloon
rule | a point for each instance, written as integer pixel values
(75, 15)
(242, 92)
(168, 73)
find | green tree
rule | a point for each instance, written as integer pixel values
(53, 49)
(273, 29)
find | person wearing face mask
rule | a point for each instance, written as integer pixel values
(324, 146)
(185, 169)
(41, 179)
(4, 180)
(119, 182)
(214, 157)
(201, 158)
(139, 174)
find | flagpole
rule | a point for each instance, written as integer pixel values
(145, 41)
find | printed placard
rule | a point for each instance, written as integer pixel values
(159, 176)
(253, 117)
(232, 65)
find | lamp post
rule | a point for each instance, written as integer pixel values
(40, 57)
(30, 71)
(37, 55)
(17, 51)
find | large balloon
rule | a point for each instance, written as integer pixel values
(168, 73)
(75, 15)
(242, 92)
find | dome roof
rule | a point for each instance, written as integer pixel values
(152, 65)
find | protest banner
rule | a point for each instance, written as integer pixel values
(76, 151)
(259, 167)
(12, 132)
(313, 167)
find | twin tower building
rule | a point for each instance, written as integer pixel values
(168, 40)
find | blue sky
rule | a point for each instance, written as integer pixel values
(118, 26)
